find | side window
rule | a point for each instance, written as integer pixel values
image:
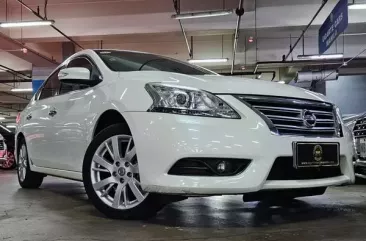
(77, 62)
(51, 86)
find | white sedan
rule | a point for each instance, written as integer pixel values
(142, 130)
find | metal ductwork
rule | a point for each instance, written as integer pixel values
(310, 76)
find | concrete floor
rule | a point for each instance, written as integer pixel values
(61, 211)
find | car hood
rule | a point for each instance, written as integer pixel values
(218, 84)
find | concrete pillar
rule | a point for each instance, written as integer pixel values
(68, 49)
(320, 87)
(39, 74)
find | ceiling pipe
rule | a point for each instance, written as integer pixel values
(29, 50)
(4, 81)
(177, 10)
(306, 76)
(10, 108)
(239, 11)
(250, 73)
(15, 73)
(186, 39)
(303, 32)
(352, 34)
(297, 63)
(17, 96)
(52, 26)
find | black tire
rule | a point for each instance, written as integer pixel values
(32, 179)
(360, 181)
(146, 209)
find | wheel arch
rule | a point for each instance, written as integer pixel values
(108, 118)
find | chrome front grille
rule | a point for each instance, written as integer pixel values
(360, 128)
(1, 145)
(291, 116)
(359, 131)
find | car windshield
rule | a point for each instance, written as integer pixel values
(123, 61)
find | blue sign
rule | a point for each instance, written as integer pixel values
(333, 26)
(36, 84)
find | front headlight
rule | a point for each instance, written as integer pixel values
(188, 101)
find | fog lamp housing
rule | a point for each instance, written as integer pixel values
(209, 167)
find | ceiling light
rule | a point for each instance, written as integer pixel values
(22, 90)
(11, 126)
(2, 118)
(357, 6)
(322, 56)
(5, 128)
(197, 61)
(26, 23)
(281, 82)
(202, 14)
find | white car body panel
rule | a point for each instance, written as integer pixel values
(218, 84)
(57, 145)
(197, 137)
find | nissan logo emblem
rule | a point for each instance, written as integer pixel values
(309, 119)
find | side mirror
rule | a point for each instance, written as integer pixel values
(75, 75)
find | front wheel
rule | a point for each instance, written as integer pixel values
(112, 179)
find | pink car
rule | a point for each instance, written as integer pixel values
(7, 160)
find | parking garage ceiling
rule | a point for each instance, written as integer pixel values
(143, 25)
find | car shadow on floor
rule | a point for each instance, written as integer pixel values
(213, 212)
(258, 214)
(69, 191)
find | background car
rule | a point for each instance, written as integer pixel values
(141, 130)
(7, 159)
(357, 124)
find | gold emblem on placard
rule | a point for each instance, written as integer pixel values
(318, 153)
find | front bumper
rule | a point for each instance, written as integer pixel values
(3, 157)
(163, 139)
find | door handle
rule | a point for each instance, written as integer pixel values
(52, 112)
(29, 117)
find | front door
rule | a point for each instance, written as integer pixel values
(69, 112)
(68, 142)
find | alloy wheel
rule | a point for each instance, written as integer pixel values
(115, 174)
(22, 163)
(9, 162)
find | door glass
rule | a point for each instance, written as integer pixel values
(51, 86)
